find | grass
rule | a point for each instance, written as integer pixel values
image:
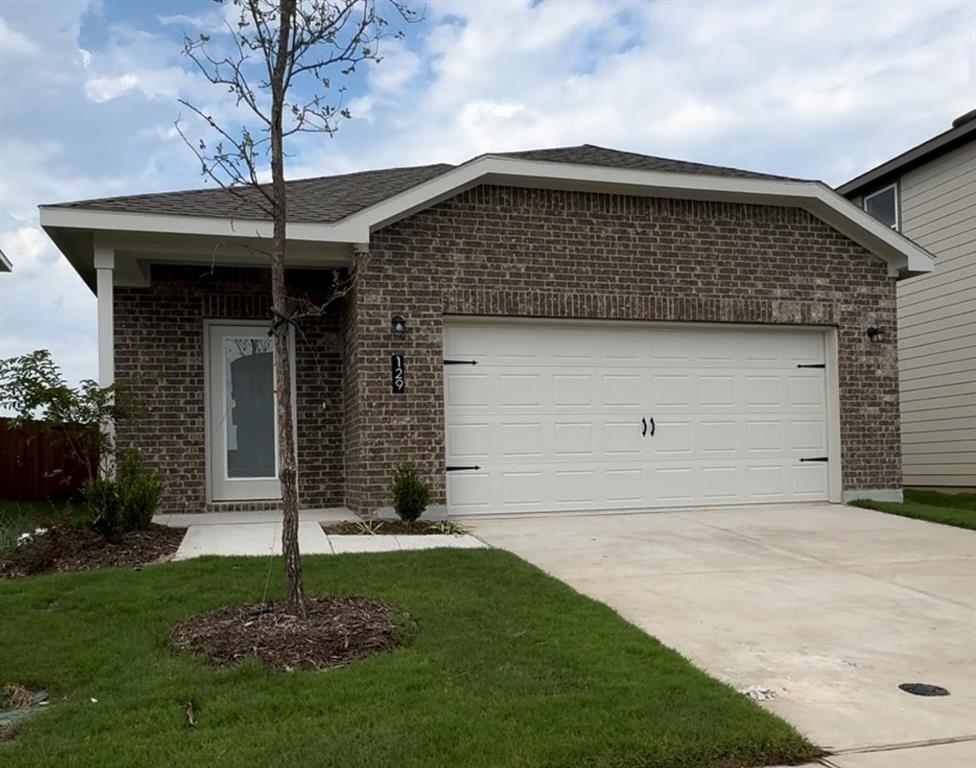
(958, 509)
(17, 517)
(505, 666)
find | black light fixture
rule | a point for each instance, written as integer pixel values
(877, 334)
(398, 324)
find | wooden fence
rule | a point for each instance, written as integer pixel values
(36, 463)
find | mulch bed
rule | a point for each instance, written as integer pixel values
(68, 548)
(337, 631)
(384, 527)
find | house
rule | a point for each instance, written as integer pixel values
(563, 329)
(929, 194)
(5, 265)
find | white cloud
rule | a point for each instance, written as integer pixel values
(15, 43)
(814, 89)
(102, 89)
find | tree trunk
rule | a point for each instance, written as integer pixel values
(287, 469)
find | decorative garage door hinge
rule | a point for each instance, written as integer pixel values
(811, 365)
(450, 468)
(460, 362)
(817, 458)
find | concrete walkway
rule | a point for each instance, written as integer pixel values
(831, 607)
(259, 533)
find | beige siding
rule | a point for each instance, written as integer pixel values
(937, 324)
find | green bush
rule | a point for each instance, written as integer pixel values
(104, 507)
(126, 502)
(410, 494)
(140, 490)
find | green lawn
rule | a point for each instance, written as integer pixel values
(957, 509)
(505, 667)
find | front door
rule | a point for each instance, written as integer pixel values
(243, 442)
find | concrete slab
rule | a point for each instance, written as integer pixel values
(830, 606)
(343, 544)
(437, 541)
(957, 755)
(249, 539)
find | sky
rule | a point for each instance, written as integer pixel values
(826, 90)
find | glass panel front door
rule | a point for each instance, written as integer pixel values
(243, 445)
(249, 395)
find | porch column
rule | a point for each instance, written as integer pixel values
(104, 268)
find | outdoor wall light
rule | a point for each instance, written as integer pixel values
(398, 324)
(877, 334)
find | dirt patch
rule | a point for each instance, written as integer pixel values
(65, 547)
(392, 528)
(338, 630)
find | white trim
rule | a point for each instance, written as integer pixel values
(835, 465)
(104, 268)
(894, 188)
(814, 196)
(5, 265)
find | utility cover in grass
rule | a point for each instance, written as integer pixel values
(336, 631)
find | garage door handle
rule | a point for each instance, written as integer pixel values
(652, 426)
(643, 427)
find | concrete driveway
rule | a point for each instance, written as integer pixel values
(831, 607)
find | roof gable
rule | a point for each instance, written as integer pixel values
(328, 199)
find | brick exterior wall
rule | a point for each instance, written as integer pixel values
(507, 252)
(541, 253)
(159, 346)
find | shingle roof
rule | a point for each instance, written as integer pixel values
(327, 199)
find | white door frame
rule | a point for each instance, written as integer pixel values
(248, 489)
(831, 358)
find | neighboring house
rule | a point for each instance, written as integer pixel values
(5, 265)
(929, 194)
(564, 329)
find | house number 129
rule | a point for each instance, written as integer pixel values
(398, 379)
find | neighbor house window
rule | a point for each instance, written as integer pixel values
(883, 205)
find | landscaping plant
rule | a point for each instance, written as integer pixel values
(410, 494)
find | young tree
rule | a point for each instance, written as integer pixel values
(272, 50)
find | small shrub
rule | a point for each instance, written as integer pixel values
(410, 494)
(139, 491)
(126, 502)
(104, 507)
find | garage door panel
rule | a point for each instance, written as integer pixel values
(621, 391)
(553, 415)
(672, 439)
(718, 437)
(763, 390)
(570, 390)
(764, 437)
(521, 439)
(466, 390)
(809, 481)
(671, 390)
(716, 391)
(808, 436)
(624, 487)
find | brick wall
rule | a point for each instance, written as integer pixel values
(541, 253)
(159, 345)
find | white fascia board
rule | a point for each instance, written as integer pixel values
(5, 265)
(209, 226)
(900, 252)
(814, 196)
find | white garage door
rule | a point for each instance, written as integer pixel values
(549, 416)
